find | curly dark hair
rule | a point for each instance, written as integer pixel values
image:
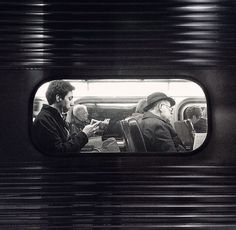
(194, 110)
(58, 87)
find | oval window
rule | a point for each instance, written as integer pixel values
(119, 116)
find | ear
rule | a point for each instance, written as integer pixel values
(159, 107)
(58, 98)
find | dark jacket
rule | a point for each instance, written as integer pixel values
(50, 134)
(159, 135)
(201, 126)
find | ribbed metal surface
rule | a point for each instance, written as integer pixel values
(112, 192)
(116, 34)
(158, 197)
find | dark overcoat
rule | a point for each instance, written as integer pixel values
(200, 126)
(159, 135)
(50, 134)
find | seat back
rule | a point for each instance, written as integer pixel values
(185, 134)
(133, 136)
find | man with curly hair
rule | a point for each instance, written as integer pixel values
(50, 131)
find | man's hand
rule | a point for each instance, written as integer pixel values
(90, 130)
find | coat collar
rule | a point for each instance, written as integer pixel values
(148, 114)
(52, 110)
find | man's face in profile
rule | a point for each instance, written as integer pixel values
(167, 110)
(67, 102)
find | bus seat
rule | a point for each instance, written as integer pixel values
(133, 135)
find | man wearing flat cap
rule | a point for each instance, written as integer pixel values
(158, 133)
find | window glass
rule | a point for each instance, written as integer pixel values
(119, 116)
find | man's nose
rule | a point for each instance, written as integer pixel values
(72, 103)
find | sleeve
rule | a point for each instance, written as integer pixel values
(48, 139)
(73, 145)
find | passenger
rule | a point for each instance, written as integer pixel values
(194, 115)
(140, 106)
(138, 114)
(50, 131)
(155, 125)
(185, 128)
(201, 125)
(78, 118)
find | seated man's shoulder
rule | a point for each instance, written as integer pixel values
(43, 114)
(153, 120)
(45, 117)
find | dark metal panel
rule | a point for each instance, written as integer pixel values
(124, 34)
(158, 197)
(116, 39)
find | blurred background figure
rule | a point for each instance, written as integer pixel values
(38, 104)
(77, 118)
(186, 129)
(194, 113)
(200, 126)
(138, 114)
(140, 106)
